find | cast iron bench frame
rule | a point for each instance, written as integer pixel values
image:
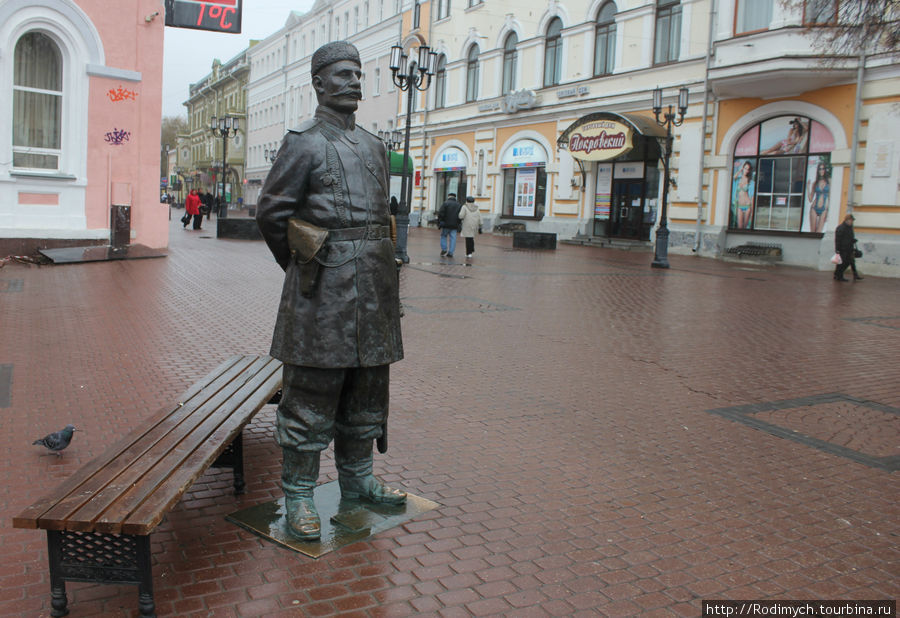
(99, 520)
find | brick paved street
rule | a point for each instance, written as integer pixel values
(604, 439)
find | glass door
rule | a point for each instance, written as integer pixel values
(627, 209)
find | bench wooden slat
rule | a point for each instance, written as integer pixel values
(35, 515)
(124, 469)
(206, 440)
(145, 471)
(151, 512)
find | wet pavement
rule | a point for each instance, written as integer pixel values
(604, 438)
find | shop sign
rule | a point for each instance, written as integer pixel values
(572, 92)
(524, 153)
(630, 169)
(600, 140)
(450, 160)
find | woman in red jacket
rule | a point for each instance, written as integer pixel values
(192, 208)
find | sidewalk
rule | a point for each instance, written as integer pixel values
(605, 439)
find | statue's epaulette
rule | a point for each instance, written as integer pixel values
(304, 126)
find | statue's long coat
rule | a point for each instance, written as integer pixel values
(352, 319)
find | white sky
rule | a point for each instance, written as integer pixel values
(188, 54)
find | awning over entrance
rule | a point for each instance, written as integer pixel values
(397, 163)
(602, 136)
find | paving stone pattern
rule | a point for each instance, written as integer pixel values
(555, 403)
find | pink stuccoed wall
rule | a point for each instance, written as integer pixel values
(131, 43)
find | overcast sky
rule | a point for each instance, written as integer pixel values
(189, 53)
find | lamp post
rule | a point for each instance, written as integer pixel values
(669, 119)
(391, 139)
(224, 127)
(417, 77)
(270, 155)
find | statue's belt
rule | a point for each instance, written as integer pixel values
(372, 232)
(305, 240)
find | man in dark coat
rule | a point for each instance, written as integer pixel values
(448, 221)
(338, 325)
(845, 245)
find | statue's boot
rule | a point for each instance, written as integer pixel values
(299, 474)
(353, 459)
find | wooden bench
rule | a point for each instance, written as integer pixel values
(99, 520)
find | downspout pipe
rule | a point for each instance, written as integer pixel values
(854, 139)
(703, 125)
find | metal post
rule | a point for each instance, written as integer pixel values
(661, 257)
(406, 183)
(223, 209)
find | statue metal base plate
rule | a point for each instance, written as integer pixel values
(343, 521)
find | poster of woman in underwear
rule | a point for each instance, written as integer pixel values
(818, 193)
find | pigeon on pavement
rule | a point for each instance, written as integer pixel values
(58, 440)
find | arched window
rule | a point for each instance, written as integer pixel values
(440, 82)
(605, 40)
(37, 102)
(781, 177)
(510, 55)
(668, 31)
(472, 74)
(553, 53)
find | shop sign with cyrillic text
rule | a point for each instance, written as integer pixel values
(600, 140)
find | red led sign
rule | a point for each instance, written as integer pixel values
(215, 15)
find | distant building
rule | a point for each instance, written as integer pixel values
(222, 92)
(524, 91)
(82, 126)
(280, 90)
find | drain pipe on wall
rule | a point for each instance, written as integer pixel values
(703, 123)
(854, 139)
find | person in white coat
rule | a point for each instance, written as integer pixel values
(471, 224)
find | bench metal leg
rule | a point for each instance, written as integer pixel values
(99, 558)
(58, 600)
(145, 587)
(233, 457)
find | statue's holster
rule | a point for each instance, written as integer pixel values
(305, 240)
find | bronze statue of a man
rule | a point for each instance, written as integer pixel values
(324, 213)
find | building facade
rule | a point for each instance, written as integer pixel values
(543, 113)
(83, 106)
(280, 92)
(222, 92)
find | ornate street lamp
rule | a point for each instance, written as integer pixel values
(669, 119)
(417, 77)
(270, 155)
(224, 127)
(391, 139)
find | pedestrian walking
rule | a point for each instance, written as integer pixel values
(324, 213)
(448, 221)
(192, 209)
(207, 199)
(471, 224)
(845, 246)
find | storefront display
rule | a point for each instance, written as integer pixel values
(781, 176)
(524, 166)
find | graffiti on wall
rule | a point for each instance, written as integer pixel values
(117, 137)
(121, 94)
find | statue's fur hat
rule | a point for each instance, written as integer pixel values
(332, 52)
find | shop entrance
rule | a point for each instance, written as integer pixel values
(627, 213)
(447, 183)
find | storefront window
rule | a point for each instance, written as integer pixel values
(524, 192)
(524, 165)
(781, 176)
